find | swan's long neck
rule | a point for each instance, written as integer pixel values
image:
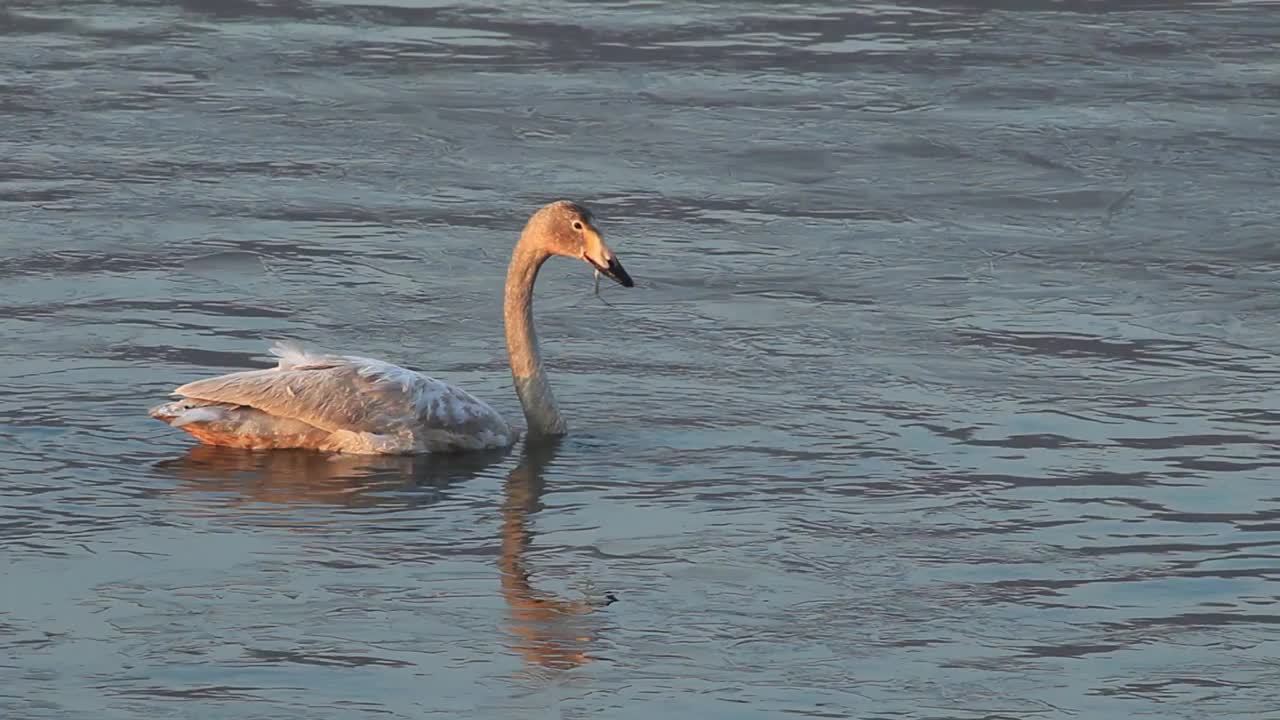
(540, 410)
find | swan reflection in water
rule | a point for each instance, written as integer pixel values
(546, 630)
(549, 633)
(306, 477)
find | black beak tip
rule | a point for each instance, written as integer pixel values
(620, 275)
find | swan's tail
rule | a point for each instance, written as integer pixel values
(173, 413)
(237, 425)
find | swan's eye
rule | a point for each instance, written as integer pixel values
(577, 225)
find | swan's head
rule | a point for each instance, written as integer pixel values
(566, 228)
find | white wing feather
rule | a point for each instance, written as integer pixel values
(406, 411)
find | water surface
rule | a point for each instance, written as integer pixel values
(949, 389)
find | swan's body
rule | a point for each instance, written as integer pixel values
(354, 404)
(339, 403)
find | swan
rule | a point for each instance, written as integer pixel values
(352, 404)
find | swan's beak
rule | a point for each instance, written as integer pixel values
(614, 270)
(599, 256)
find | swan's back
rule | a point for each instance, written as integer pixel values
(335, 402)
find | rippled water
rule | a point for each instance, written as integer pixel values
(949, 389)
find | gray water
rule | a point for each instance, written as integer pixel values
(948, 389)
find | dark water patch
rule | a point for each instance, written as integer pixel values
(213, 692)
(16, 23)
(324, 659)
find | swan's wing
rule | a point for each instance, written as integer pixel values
(355, 394)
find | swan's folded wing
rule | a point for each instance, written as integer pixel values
(353, 394)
